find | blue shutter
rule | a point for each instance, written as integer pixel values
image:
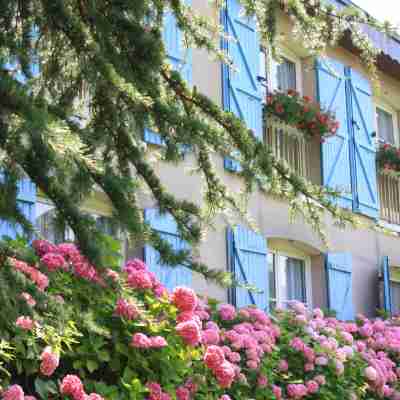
(331, 90)
(247, 258)
(242, 93)
(339, 279)
(179, 57)
(387, 296)
(26, 202)
(167, 228)
(362, 121)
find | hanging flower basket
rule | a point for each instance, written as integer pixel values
(388, 160)
(299, 116)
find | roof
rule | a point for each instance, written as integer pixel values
(389, 45)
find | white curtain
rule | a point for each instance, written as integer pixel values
(295, 278)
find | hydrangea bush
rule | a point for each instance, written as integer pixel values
(73, 332)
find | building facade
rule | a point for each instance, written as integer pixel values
(285, 260)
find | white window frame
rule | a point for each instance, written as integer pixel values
(290, 56)
(44, 205)
(390, 110)
(280, 277)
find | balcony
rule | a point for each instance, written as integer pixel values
(302, 156)
(389, 195)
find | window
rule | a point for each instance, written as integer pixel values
(385, 125)
(283, 75)
(288, 279)
(46, 223)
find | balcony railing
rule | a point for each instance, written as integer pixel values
(303, 157)
(389, 194)
(294, 149)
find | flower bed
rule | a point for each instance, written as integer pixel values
(299, 115)
(69, 330)
(388, 160)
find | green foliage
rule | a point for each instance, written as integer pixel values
(93, 338)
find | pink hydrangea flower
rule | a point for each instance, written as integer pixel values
(25, 323)
(71, 385)
(139, 279)
(28, 298)
(42, 247)
(49, 362)
(30, 398)
(68, 250)
(283, 365)
(312, 386)
(155, 390)
(262, 381)
(298, 307)
(227, 312)
(225, 397)
(371, 373)
(158, 342)
(309, 367)
(113, 275)
(189, 331)
(182, 393)
(296, 390)
(320, 379)
(185, 299)
(225, 374)
(135, 264)
(214, 357)
(252, 364)
(140, 341)
(53, 261)
(160, 290)
(94, 396)
(14, 392)
(125, 309)
(210, 336)
(321, 360)
(277, 391)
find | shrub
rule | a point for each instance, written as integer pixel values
(121, 335)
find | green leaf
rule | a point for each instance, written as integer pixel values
(77, 364)
(91, 365)
(104, 355)
(44, 388)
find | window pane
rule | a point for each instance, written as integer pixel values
(385, 126)
(295, 279)
(286, 75)
(272, 280)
